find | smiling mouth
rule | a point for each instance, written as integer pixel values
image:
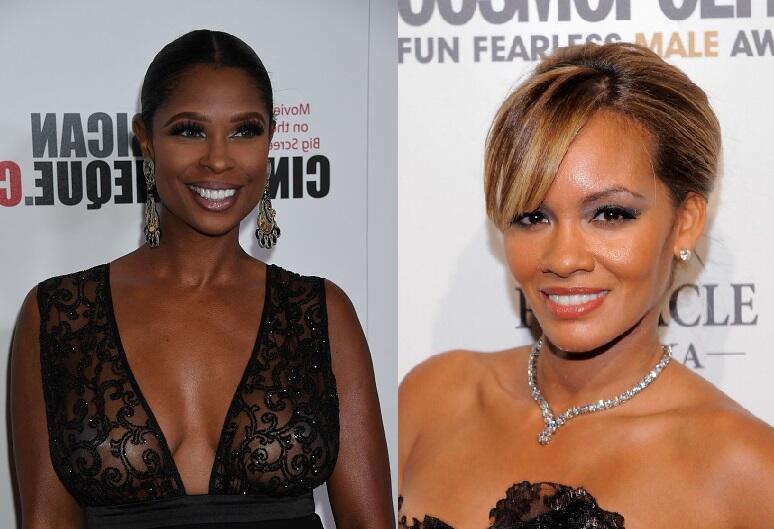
(215, 195)
(575, 299)
(570, 305)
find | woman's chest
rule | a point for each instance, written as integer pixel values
(460, 474)
(264, 410)
(185, 352)
(189, 361)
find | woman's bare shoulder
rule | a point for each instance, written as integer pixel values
(733, 448)
(454, 380)
(739, 456)
(701, 398)
(741, 441)
(430, 395)
(458, 368)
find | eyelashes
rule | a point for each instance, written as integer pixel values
(188, 129)
(608, 215)
(249, 129)
(192, 129)
(530, 219)
(613, 213)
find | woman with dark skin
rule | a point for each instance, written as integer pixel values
(188, 311)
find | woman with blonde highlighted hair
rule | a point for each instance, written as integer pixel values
(598, 168)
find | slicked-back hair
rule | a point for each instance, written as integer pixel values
(200, 47)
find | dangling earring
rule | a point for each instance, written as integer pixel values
(267, 232)
(152, 228)
(684, 254)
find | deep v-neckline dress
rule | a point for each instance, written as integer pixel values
(541, 505)
(279, 438)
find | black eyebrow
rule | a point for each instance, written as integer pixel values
(188, 115)
(605, 193)
(244, 116)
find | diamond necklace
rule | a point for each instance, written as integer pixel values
(553, 423)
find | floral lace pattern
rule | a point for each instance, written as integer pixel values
(281, 432)
(280, 435)
(537, 506)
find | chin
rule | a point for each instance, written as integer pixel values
(216, 224)
(215, 230)
(577, 340)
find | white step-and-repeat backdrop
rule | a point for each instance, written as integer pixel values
(69, 177)
(457, 61)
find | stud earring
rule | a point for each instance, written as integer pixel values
(684, 254)
(152, 227)
(267, 232)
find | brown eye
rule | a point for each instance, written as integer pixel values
(615, 214)
(532, 218)
(187, 129)
(248, 130)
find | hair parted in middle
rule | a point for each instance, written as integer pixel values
(538, 121)
(200, 47)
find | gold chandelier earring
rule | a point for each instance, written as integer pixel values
(152, 227)
(267, 232)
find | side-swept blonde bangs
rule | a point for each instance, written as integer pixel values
(538, 121)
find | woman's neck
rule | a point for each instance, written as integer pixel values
(190, 258)
(573, 379)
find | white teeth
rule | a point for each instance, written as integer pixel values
(213, 194)
(575, 299)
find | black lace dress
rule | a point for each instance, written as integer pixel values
(537, 506)
(279, 438)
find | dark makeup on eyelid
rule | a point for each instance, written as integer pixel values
(591, 206)
(253, 126)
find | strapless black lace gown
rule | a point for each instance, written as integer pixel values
(279, 438)
(536, 506)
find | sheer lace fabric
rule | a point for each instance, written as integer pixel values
(280, 434)
(536, 506)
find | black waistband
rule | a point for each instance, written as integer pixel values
(202, 509)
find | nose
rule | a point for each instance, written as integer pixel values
(568, 251)
(217, 157)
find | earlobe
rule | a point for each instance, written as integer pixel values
(691, 217)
